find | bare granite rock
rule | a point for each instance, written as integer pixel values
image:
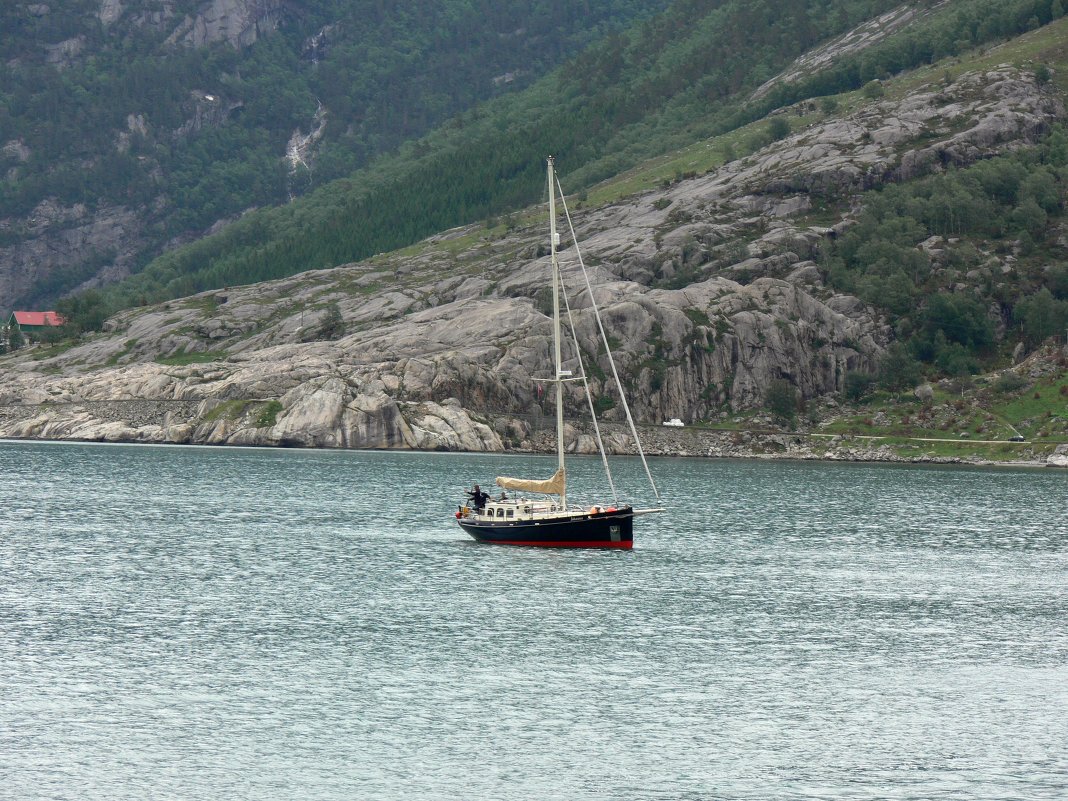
(708, 290)
(239, 22)
(1059, 457)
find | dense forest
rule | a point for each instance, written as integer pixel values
(1010, 206)
(682, 75)
(97, 113)
(621, 100)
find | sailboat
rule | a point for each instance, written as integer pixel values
(538, 512)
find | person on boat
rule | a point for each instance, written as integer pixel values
(478, 498)
(504, 496)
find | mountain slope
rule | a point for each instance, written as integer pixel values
(681, 76)
(717, 282)
(259, 96)
(129, 127)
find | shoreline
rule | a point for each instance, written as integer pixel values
(875, 456)
(191, 422)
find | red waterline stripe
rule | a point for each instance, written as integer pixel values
(625, 545)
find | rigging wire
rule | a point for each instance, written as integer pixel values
(604, 340)
(589, 395)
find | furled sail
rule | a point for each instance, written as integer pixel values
(550, 486)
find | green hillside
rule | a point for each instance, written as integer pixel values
(111, 112)
(679, 77)
(485, 161)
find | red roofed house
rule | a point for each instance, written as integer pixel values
(32, 322)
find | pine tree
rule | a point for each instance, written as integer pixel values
(781, 399)
(15, 339)
(332, 325)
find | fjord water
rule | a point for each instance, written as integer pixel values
(264, 624)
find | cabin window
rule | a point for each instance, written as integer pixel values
(500, 512)
(511, 512)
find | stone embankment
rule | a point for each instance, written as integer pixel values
(98, 421)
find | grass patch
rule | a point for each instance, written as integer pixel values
(42, 353)
(963, 449)
(268, 414)
(196, 357)
(207, 303)
(227, 410)
(127, 349)
(1039, 410)
(698, 317)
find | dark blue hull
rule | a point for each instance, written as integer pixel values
(613, 529)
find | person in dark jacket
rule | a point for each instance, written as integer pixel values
(478, 498)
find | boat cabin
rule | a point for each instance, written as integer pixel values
(519, 509)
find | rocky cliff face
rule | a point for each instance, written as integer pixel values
(99, 243)
(58, 245)
(853, 41)
(239, 22)
(707, 288)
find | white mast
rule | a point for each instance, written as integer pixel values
(554, 240)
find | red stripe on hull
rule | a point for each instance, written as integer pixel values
(626, 546)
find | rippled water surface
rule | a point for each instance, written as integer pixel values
(264, 624)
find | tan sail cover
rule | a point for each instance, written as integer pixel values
(550, 486)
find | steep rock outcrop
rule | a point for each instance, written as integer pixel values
(239, 22)
(65, 239)
(860, 38)
(417, 380)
